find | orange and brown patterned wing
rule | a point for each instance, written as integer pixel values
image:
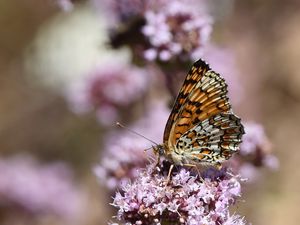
(206, 98)
(192, 79)
(213, 140)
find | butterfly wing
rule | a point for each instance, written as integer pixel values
(193, 77)
(199, 107)
(213, 140)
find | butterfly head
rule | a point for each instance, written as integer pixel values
(159, 150)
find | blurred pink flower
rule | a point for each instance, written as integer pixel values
(108, 88)
(254, 140)
(255, 152)
(223, 61)
(176, 29)
(39, 189)
(65, 5)
(120, 11)
(124, 152)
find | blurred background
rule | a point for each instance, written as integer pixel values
(51, 137)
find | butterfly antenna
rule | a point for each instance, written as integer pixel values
(147, 149)
(132, 131)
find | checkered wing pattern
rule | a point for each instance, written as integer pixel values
(202, 127)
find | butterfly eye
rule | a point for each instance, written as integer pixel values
(159, 149)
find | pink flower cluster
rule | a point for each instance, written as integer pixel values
(176, 29)
(39, 189)
(186, 199)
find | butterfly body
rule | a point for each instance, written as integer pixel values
(201, 128)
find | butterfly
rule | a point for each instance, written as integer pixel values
(201, 129)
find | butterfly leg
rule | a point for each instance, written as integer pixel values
(169, 175)
(157, 160)
(156, 163)
(157, 154)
